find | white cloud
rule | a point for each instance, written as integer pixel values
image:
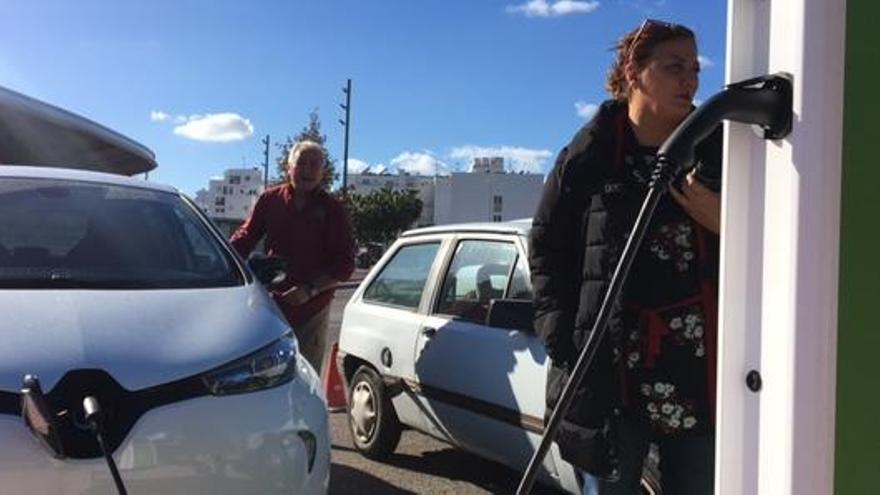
(516, 159)
(424, 163)
(585, 110)
(543, 8)
(159, 116)
(705, 62)
(565, 7)
(356, 166)
(217, 127)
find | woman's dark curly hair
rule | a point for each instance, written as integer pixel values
(636, 47)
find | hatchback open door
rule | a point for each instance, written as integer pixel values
(33, 132)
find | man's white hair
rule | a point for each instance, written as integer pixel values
(302, 146)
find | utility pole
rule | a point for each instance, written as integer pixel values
(346, 123)
(265, 162)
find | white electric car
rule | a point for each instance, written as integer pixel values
(137, 351)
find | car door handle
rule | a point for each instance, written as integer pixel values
(429, 331)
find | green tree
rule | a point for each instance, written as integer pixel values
(311, 132)
(380, 216)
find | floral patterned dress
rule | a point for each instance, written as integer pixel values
(667, 359)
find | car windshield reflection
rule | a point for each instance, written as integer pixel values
(67, 234)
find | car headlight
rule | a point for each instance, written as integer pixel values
(268, 367)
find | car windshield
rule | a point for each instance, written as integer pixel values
(69, 234)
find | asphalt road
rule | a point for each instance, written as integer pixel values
(420, 464)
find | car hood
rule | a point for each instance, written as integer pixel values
(140, 337)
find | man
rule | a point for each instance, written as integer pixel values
(312, 232)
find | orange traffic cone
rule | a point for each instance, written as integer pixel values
(332, 380)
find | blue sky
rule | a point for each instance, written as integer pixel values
(434, 82)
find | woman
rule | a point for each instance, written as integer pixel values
(652, 379)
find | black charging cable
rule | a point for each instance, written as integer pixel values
(95, 419)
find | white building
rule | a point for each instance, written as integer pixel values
(366, 182)
(486, 194)
(232, 196)
(488, 165)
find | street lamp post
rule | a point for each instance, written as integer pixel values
(265, 162)
(347, 107)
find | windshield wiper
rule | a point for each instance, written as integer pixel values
(109, 279)
(61, 279)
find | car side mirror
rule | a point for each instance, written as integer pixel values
(513, 314)
(269, 270)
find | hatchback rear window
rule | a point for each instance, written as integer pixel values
(68, 234)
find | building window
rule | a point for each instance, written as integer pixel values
(497, 204)
(496, 218)
(219, 201)
(235, 179)
(247, 178)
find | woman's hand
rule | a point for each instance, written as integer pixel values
(700, 202)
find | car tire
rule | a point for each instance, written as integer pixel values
(375, 429)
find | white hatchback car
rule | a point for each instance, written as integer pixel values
(137, 351)
(438, 338)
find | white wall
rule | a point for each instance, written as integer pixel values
(780, 226)
(468, 197)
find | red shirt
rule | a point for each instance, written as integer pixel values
(316, 240)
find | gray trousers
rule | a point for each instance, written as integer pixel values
(312, 338)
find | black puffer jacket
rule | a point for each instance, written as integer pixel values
(582, 222)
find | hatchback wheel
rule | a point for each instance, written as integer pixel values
(375, 429)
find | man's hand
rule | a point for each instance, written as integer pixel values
(701, 203)
(296, 295)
